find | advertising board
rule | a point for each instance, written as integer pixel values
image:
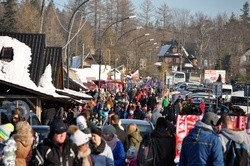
(213, 75)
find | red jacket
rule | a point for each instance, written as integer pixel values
(202, 106)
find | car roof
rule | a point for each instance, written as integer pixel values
(136, 121)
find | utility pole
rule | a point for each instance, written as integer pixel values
(42, 17)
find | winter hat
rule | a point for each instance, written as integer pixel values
(131, 153)
(5, 130)
(161, 122)
(77, 136)
(210, 118)
(96, 131)
(57, 126)
(81, 122)
(109, 129)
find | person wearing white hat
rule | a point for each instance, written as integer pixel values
(81, 140)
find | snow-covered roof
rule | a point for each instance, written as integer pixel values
(16, 72)
(66, 91)
(188, 65)
(92, 73)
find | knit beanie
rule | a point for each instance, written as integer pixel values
(96, 131)
(81, 122)
(5, 130)
(109, 129)
(161, 122)
(77, 136)
(210, 118)
(131, 153)
(57, 126)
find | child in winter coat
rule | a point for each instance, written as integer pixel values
(131, 156)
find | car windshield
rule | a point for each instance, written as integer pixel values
(226, 91)
(33, 120)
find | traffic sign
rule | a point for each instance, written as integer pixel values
(247, 90)
(217, 89)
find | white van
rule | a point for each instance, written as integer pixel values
(238, 99)
(179, 77)
(227, 91)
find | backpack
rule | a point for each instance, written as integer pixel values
(236, 154)
(146, 152)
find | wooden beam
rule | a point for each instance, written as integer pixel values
(30, 102)
(17, 96)
(38, 108)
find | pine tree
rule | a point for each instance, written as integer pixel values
(244, 17)
(8, 22)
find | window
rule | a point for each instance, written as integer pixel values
(7, 54)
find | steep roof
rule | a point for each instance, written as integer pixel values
(37, 44)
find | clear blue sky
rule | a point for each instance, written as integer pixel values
(208, 7)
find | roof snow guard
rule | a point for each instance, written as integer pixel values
(163, 50)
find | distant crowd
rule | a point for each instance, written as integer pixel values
(91, 133)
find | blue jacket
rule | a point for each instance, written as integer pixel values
(119, 154)
(201, 147)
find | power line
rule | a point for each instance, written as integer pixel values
(59, 20)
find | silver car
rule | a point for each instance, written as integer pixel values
(144, 126)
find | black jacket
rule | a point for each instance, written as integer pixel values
(48, 154)
(165, 145)
(152, 101)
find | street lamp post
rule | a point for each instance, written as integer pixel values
(100, 57)
(137, 56)
(146, 34)
(140, 27)
(69, 32)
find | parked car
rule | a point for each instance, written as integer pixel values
(41, 130)
(144, 126)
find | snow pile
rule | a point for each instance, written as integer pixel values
(16, 71)
(46, 80)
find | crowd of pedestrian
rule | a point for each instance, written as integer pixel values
(77, 135)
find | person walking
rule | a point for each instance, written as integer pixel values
(202, 145)
(229, 133)
(122, 135)
(109, 135)
(100, 152)
(7, 145)
(134, 136)
(24, 140)
(156, 114)
(165, 104)
(81, 140)
(202, 106)
(163, 137)
(57, 149)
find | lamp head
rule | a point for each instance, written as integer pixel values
(139, 27)
(134, 16)
(146, 34)
(151, 39)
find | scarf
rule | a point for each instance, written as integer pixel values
(99, 149)
(112, 143)
(86, 158)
